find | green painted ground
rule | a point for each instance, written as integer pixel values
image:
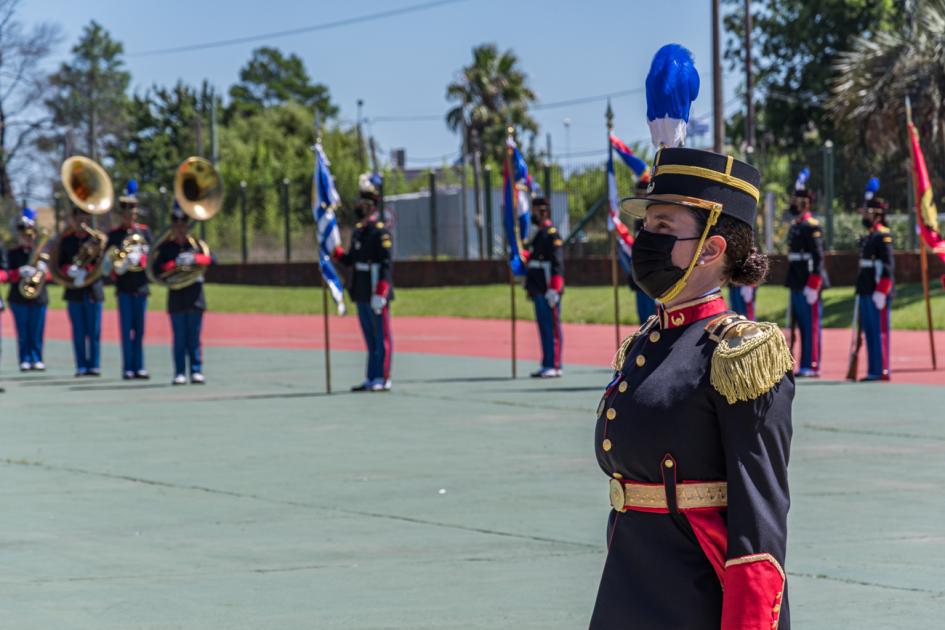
(582, 304)
(460, 500)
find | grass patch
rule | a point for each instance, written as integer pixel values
(581, 304)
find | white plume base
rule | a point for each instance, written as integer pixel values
(668, 132)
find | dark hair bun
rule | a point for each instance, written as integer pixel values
(752, 270)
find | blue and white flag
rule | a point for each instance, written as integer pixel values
(516, 206)
(326, 199)
(623, 237)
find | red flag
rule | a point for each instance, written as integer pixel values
(924, 204)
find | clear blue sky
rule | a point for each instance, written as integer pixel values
(401, 65)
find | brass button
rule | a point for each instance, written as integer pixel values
(640, 360)
(668, 463)
(654, 336)
(611, 413)
(617, 476)
(606, 445)
(622, 387)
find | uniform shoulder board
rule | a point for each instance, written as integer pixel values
(887, 239)
(624, 348)
(813, 221)
(552, 230)
(359, 225)
(379, 225)
(750, 358)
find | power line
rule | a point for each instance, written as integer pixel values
(369, 17)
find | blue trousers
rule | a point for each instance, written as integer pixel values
(738, 304)
(549, 331)
(131, 310)
(807, 318)
(377, 336)
(86, 318)
(646, 306)
(30, 322)
(875, 326)
(186, 329)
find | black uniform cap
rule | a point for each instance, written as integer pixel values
(701, 179)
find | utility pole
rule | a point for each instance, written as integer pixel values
(360, 136)
(749, 82)
(717, 113)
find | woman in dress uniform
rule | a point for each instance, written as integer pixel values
(694, 429)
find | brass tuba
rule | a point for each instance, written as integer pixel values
(198, 189)
(88, 187)
(31, 286)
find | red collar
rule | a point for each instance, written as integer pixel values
(689, 312)
(804, 217)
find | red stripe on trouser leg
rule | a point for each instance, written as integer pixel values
(884, 338)
(815, 335)
(388, 341)
(750, 310)
(754, 589)
(556, 328)
(712, 534)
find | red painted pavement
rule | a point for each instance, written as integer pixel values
(584, 344)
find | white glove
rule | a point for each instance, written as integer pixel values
(77, 274)
(122, 267)
(378, 302)
(748, 294)
(27, 271)
(185, 259)
(42, 266)
(811, 295)
(552, 297)
(134, 258)
(879, 300)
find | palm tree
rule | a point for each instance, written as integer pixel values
(490, 94)
(875, 76)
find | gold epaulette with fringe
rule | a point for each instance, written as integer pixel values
(624, 348)
(750, 358)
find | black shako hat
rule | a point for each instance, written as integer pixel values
(700, 179)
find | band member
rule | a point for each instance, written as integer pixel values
(694, 429)
(646, 306)
(544, 284)
(29, 314)
(742, 300)
(874, 287)
(371, 287)
(84, 302)
(806, 277)
(185, 305)
(131, 282)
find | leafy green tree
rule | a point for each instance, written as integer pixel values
(270, 78)
(490, 94)
(796, 43)
(88, 94)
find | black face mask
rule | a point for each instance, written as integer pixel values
(867, 222)
(793, 209)
(652, 262)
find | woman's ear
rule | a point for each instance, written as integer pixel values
(713, 250)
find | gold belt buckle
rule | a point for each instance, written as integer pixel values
(618, 498)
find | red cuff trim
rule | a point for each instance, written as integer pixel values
(556, 284)
(382, 288)
(168, 265)
(338, 253)
(884, 285)
(525, 255)
(754, 588)
(814, 281)
(4, 276)
(202, 260)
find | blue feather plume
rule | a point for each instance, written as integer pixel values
(131, 189)
(801, 182)
(872, 187)
(29, 215)
(671, 86)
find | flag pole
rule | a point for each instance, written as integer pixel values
(613, 236)
(325, 324)
(923, 254)
(508, 170)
